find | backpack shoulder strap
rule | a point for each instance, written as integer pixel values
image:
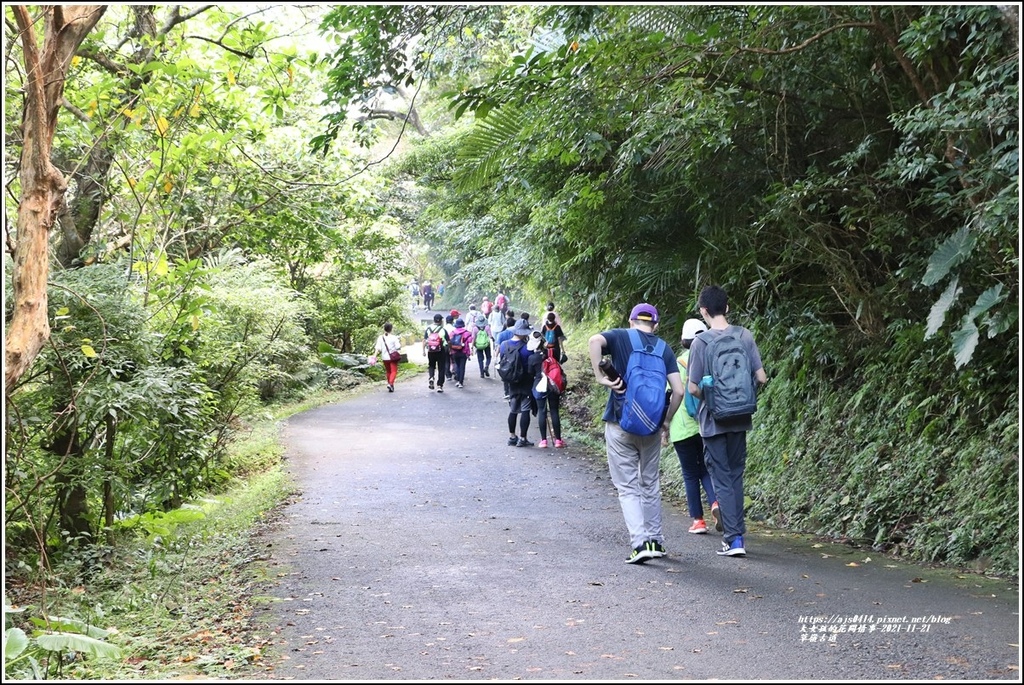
(634, 339)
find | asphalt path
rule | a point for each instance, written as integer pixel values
(421, 547)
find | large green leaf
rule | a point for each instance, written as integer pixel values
(939, 309)
(15, 642)
(951, 252)
(964, 342)
(986, 301)
(63, 642)
(62, 623)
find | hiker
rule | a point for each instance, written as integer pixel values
(547, 400)
(428, 295)
(459, 342)
(389, 349)
(471, 314)
(501, 302)
(435, 347)
(644, 363)
(486, 306)
(554, 336)
(550, 309)
(520, 398)
(725, 439)
(449, 326)
(414, 290)
(502, 336)
(684, 434)
(440, 289)
(482, 345)
(496, 320)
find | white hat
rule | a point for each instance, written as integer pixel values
(692, 327)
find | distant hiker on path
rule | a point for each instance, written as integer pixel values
(435, 347)
(514, 373)
(389, 350)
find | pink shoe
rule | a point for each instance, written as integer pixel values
(559, 443)
(542, 444)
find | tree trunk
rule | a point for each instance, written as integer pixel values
(42, 185)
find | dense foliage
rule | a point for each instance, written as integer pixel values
(849, 174)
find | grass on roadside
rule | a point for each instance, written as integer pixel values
(175, 597)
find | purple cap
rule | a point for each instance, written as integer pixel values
(644, 312)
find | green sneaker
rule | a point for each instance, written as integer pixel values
(655, 548)
(639, 555)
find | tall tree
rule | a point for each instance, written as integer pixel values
(42, 185)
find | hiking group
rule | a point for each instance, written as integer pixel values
(715, 380)
(722, 372)
(528, 362)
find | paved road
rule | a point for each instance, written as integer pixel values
(423, 548)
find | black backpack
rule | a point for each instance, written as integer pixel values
(733, 392)
(511, 366)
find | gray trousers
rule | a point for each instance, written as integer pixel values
(725, 455)
(634, 463)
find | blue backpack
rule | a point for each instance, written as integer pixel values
(690, 403)
(643, 407)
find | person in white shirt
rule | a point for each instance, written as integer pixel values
(388, 345)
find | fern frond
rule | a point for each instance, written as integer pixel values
(481, 154)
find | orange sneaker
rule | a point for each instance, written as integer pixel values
(698, 527)
(717, 516)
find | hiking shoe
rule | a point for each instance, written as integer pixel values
(523, 442)
(639, 555)
(430, 384)
(458, 385)
(440, 388)
(391, 388)
(699, 527)
(487, 373)
(505, 397)
(512, 441)
(542, 444)
(733, 549)
(559, 442)
(717, 516)
(656, 549)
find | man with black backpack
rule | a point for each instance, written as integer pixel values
(725, 372)
(513, 358)
(634, 418)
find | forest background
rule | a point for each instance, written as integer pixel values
(210, 212)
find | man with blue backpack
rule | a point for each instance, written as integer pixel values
(635, 416)
(725, 372)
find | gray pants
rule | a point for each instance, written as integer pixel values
(725, 455)
(634, 463)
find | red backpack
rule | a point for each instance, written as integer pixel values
(553, 370)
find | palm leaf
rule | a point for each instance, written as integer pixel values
(482, 152)
(938, 313)
(955, 249)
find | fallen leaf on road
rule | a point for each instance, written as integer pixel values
(853, 563)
